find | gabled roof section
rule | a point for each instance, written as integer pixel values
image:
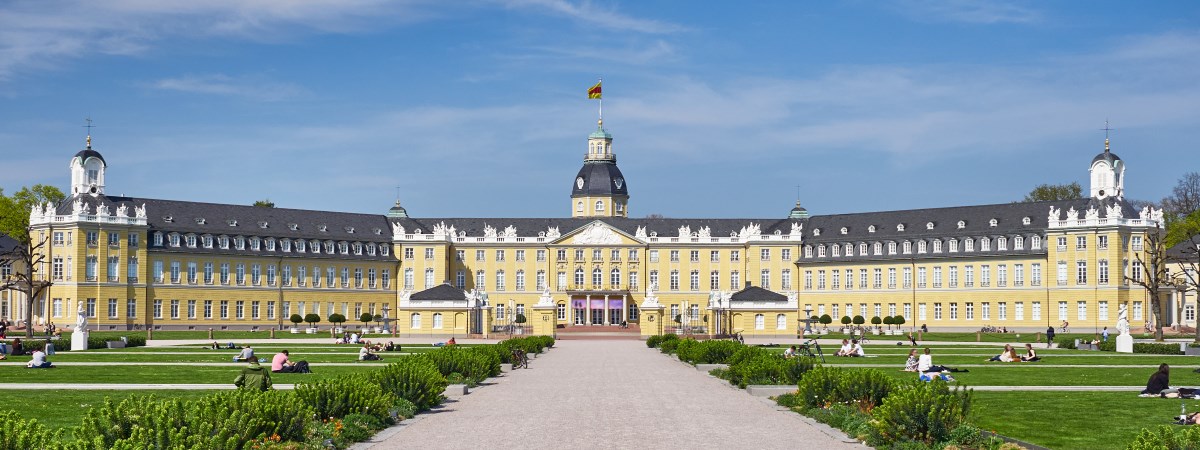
(597, 232)
(757, 294)
(441, 292)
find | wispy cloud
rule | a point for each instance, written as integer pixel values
(967, 11)
(586, 12)
(254, 88)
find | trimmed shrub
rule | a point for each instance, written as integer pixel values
(657, 340)
(474, 365)
(818, 388)
(345, 395)
(768, 368)
(414, 379)
(708, 352)
(846, 418)
(1167, 438)
(859, 320)
(17, 432)
(296, 319)
(864, 389)
(922, 412)
(1066, 343)
(668, 345)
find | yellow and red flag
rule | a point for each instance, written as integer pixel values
(594, 91)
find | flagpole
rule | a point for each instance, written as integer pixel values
(601, 82)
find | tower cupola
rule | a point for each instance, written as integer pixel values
(87, 171)
(1107, 175)
(599, 189)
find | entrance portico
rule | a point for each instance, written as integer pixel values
(600, 308)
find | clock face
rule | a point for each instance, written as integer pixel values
(579, 182)
(619, 182)
(1101, 192)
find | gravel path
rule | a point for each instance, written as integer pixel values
(608, 394)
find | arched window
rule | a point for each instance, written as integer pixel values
(862, 249)
(599, 205)
(921, 247)
(416, 321)
(1035, 243)
(969, 245)
(615, 278)
(821, 251)
(871, 229)
(781, 322)
(578, 206)
(962, 224)
(760, 322)
(849, 250)
(907, 247)
(992, 222)
(937, 246)
(1001, 243)
(878, 248)
(835, 250)
(954, 246)
(985, 244)
(597, 277)
(1018, 243)
(579, 277)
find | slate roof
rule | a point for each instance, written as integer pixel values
(757, 294)
(7, 244)
(1009, 222)
(1106, 156)
(83, 155)
(440, 292)
(599, 178)
(1185, 251)
(531, 226)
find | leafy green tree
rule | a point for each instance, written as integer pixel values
(1183, 228)
(264, 203)
(1046, 192)
(312, 319)
(27, 255)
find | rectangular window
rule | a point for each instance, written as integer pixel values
(1037, 311)
(1035, 274)
(270, 310)
(1081, 272)
(954, 311)
(1018, 275)
(835, 279)
(921, 315)
(1102, 308)
(191, 272)
(1019, 311)
(1102, 271)
(908, 277)
(694, 256)
(114, 263)
(674, 280)
(714, 280)
(224, 309)
(1137, 310)
(937, 311)
(985, 275)
(785, 280)
(174, 309)
(191, 311)
(1003, 311)
(922, 277)
(891, 278)
(1001, 275)
(765, 254)
(254, 314)
(674, 255)
(970, 311)
(820, 280)
(878, 279)
(953, 276)
(1081, 310)
(937, 277)
(985, 311)
(735, 280)
(1062, 273)
(969, 276)
(1062, 310)
(239, 309)
(112, 308)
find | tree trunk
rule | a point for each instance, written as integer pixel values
(1160, 308)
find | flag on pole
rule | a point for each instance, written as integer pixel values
(594, 91)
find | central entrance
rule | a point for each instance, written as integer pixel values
(598, 309)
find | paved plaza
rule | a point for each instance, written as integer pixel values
(608, 394)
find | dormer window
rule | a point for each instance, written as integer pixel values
(315, 245)
(900, 227)
(1019, 243)
(820, 251)
(968, 245)
(158, 238)
(285, 245)
(293, 226)
(878, 250)
(1001, 243)
(1025, 220)
(322, 228)
(207, 241)
(992, 223)
(849, 250)
(239, 243)
(892, 248)
(191, 240)
(808, 251)
(343, 248)
(300, 244)
(835, 250)
(357, 248)
(985, 245)
(377, 231)
(371, 249)
(921, 247)
(907, 247)
(929, 225)
(962, 224)
(871, 229)
(232, 222)
(1035, 243)
(174, 239)
(937, 246)
(255, 244)
(223, 242)
(862, 249)
(329, 247)
(168, 219)
(200, 221)
(845, 230)
(954, 246)
(270, 244)
(262, 225)
(816, 231)
(350, 230)
(383, 250)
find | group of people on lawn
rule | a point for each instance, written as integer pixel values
(40, 359)
(1010, 355)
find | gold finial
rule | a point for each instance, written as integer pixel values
(1105, 145)
(600, 123)
(89, 142)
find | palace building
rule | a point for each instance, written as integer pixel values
(138, 263)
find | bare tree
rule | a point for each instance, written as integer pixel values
(1185, 197)
(1186, 255)
(1152, 274)
(25, 276)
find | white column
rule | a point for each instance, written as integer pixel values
(624, 309)
(607, 311)
(587, 308)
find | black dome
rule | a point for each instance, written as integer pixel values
(599, 178)
(1107, 156)
(83, 155)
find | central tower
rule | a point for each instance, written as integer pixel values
(599, 189)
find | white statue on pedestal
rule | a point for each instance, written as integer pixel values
(1123, 319)
(81, 318)
(79, 336)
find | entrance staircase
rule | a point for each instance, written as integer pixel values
(612, 332)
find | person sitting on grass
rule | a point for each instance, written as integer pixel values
(1159, 381)
(1030, 355)
(253, 378)
(18, 349)
(39, 360)
(790, 352)
(247, 354)
(925, 365)
(1008, 355)
(856, 349)
(451, 341)
(911, 364)
(846, 348)
(282, 364)
(930, 376)
(364, 354)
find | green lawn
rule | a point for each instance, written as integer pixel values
(160, 374)
(1073, 420)
(66, 408)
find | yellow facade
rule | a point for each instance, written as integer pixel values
(159, 264)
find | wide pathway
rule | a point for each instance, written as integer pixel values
(609, 394)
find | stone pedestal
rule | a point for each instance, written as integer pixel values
(1124, 343)
(79, 340)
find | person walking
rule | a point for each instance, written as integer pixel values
(1105, 334)
(254, 378)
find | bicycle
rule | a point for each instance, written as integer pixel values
(806, 349)
(519, 359)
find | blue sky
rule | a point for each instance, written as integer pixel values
(478, 108)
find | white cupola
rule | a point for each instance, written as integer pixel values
(1108, 175)
(87, 171)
